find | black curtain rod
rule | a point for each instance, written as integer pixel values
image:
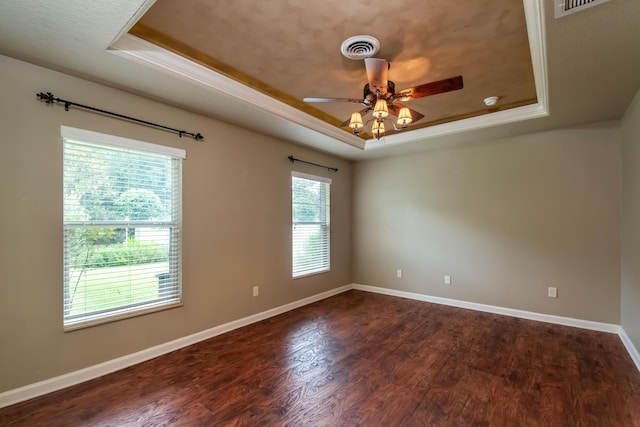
(330, 169)
(50, 99)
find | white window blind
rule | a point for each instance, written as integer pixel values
(122, 227)
(310, 209)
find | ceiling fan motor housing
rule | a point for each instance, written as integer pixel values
(369, 97)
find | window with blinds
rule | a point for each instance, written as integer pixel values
(310, 213)
(122, 227)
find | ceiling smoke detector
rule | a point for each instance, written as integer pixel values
(491, 101)
(360, 47)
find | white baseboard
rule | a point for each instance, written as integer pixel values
(633, 351)
(30, 391)
(549, 318)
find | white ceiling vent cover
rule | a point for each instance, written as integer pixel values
(567, 7)
(360, 47)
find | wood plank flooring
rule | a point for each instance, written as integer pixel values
(363, 359)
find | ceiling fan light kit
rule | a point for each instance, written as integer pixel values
(378, 129)
(381, 90)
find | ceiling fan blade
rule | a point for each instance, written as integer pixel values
(395, 110)
(362, 113)
(352, 100)
(377, 70)
(427, 89)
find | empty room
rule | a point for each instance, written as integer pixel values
(336, 213)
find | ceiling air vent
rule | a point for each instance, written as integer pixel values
(566, 7)
(360, 47)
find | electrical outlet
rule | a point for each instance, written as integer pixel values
(399, 274)
(256, 291)
(447, 280)
(552, 292)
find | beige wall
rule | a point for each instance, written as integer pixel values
(506, 219)
(630, 302)
(236, 225)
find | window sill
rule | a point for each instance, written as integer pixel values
(127, 315)
(312, 273)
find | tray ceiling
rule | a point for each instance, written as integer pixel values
(291, 50)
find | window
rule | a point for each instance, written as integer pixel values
(310, 224)
(122, 227)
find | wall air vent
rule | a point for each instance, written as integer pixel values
(566, 7)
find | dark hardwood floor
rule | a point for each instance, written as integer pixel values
(363, 359)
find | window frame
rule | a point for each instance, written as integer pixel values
(173, 226)
(324, 224)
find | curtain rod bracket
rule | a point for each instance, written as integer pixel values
(330, 169)
(48, 98)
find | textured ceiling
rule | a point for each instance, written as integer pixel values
(590, 59)
(291, 50)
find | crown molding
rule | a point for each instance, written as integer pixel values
(144, 7)
(149, 54)
(473, 123)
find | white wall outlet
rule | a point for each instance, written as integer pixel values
(256, 291)
(398, 274)
(447, 280)
(552, 292)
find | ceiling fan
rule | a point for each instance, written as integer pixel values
(380, 96)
